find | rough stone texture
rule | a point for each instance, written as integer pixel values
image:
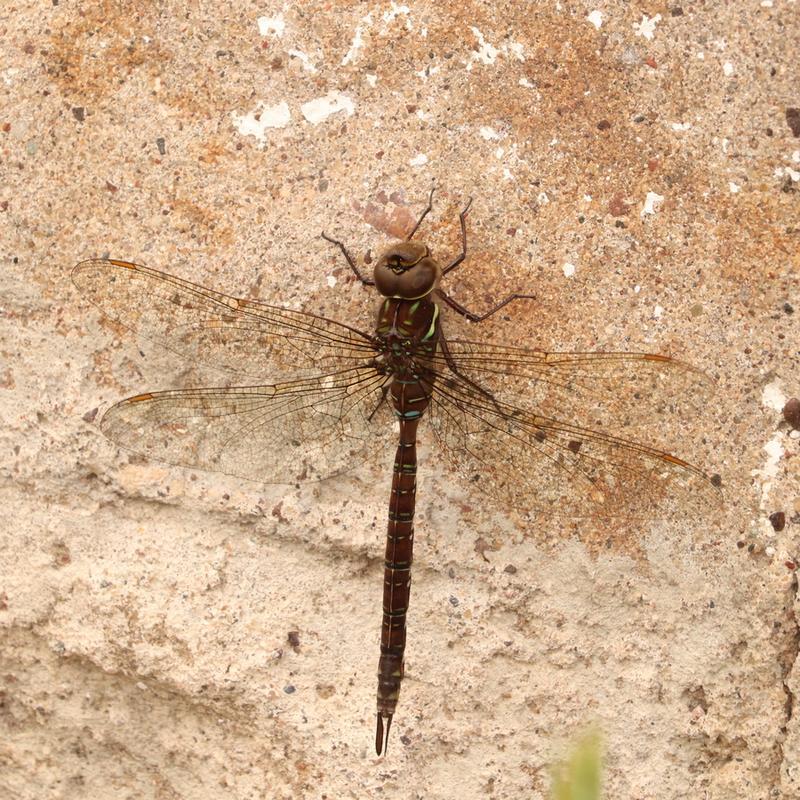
(177, 634)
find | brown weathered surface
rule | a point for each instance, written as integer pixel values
(183, 635)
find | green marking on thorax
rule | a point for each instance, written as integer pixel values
(432, 328)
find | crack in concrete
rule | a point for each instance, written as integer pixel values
(789, 663)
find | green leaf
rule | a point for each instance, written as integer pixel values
(579, 776)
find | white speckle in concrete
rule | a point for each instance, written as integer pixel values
(367, 21)
(596, 18)
(647, 27)
(357, 42)
(772, 396)
(331, 281)
(543, 198)
(269, 25)
(796, 156)
(304, 60)
(774, 450)
(734, 187)
(517, 50)
(781, 171)
(488, 133)
(262, 118)
(419, 160)
(569, 270)
(658, 311)
(526, 83)
(372, 80)
(727, 68)
(650, 202)
(424, 74)
(486, 54)
(395, 11)
(681, 126)
(770, 468)
(319, 109)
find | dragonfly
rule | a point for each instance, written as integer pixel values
(309, 398)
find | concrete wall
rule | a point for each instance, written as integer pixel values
(172, 633)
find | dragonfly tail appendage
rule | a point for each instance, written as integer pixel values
(381, 736)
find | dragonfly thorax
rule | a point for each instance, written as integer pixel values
(408, 332)
(407, 270)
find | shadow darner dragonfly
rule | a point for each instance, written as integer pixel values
(506, 418)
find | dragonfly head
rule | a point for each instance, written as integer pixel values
(407, 270)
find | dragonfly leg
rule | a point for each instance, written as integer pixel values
(454, 369)
(471, 315)
(424, 214)
(462, 218)
(384, 392)
(350, 261)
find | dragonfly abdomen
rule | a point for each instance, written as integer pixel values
(397, 570)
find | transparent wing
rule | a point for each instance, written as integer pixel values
(601, 390)
(244, 338)
(537, 462)
(283, 433)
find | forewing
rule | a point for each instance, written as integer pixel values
(623, 390)
(534, 462)
(282, 433)
(242, 337)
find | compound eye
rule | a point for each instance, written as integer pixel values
(420, 279)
